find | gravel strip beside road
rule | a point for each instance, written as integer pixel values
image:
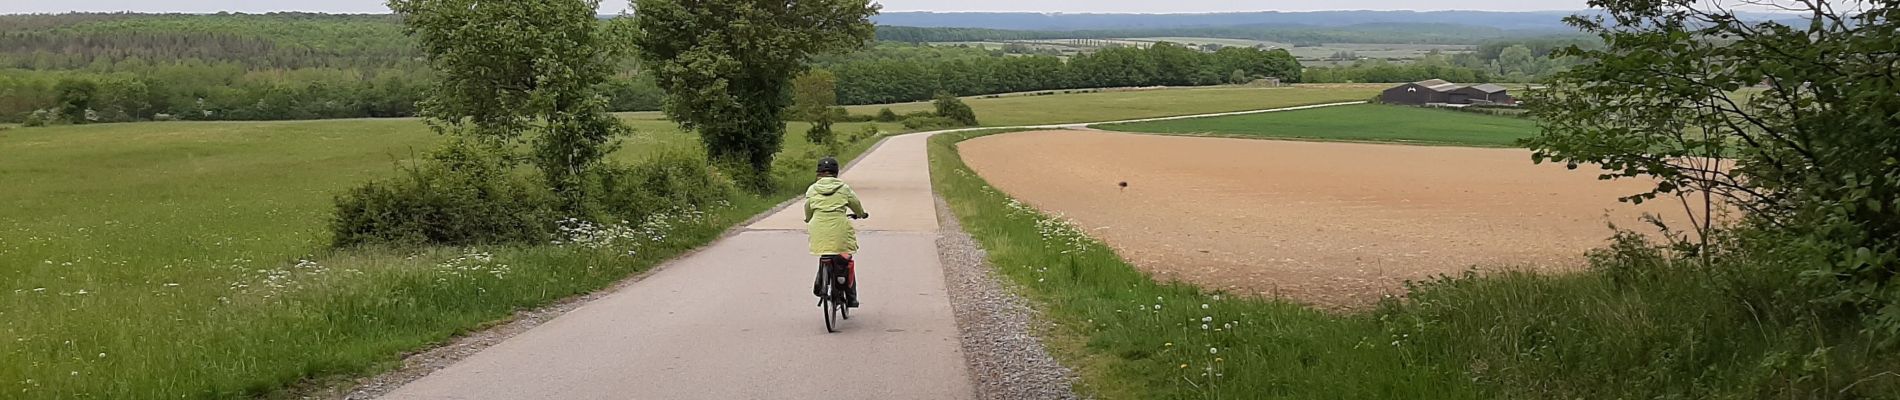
(1006, 359)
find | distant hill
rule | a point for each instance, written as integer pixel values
(1299, 35)
(1547, 20)
(1539, 21)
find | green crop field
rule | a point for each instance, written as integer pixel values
(1374, 123)
(1122, 105)
(190, 259)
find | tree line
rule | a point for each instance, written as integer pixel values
(1529, 60)
(117, 68)
(1368, 33)
(892, 80)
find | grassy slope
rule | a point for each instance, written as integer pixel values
(99, 222)
(1114, 106)
(1381, 123)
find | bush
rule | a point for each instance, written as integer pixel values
(465, 196)
(869, 131)
(38, 118)
(664, 183)
(462, 196)
(886, 115)
(953, 109)
(840, 114)
(819, 133)
(1646, 321)
(928, 122)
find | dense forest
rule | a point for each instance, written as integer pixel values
(79, 68)
(128, 67)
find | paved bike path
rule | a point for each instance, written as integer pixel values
(737, 320)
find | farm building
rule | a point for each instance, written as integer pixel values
(1438, 91)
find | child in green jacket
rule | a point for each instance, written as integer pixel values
(830, 205)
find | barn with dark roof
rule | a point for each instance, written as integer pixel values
(1438, 91)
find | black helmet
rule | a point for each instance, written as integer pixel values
(828, 165)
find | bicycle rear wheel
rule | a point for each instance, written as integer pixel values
(825, 302)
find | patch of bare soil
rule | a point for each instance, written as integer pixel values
(1336, 225)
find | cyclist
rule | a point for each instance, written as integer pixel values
(829, 207)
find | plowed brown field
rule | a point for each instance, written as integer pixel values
(1336, 225)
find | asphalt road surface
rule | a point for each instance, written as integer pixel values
(737, 320)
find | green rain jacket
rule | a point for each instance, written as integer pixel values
(828, 205)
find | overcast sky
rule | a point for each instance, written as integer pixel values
(614, 6)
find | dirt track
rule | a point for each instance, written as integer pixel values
(1331, 224)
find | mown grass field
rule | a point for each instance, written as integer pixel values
(1365, 123)
(190, 259)
(1123, 105)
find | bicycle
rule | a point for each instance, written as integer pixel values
(833, 296)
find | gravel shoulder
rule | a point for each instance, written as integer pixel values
(1006, 359)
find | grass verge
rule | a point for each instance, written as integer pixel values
(1640, 324)
(1357, 123)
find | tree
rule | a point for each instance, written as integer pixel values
(1517, 58)
(75, 98)
(813, 95)
(727, 66)
(513, 68)
(951, 108)
(1810, 156)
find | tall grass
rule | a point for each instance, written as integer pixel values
(1642, 323)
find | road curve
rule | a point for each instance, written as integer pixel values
(737, 320)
